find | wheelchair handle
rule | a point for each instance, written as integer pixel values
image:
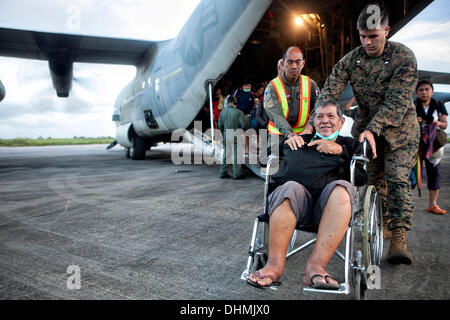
(358, 158)
(365, 147)
(362, 157)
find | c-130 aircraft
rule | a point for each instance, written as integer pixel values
(222, 38)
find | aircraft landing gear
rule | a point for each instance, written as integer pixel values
(137, 151)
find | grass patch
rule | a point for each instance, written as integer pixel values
(25, 142)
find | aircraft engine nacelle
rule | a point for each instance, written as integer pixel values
(61, 71)
(124, 134)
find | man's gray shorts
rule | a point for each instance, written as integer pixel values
(302, 201)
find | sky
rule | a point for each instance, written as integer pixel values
(32, 109)
(429, 37)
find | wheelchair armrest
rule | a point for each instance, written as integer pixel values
(360, 158)
(270, 161)
(357, 158)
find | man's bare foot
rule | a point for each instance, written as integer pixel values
(266, 276)
(316, 276)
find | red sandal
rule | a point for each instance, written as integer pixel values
(436, 210)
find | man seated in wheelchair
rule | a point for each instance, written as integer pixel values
(314, 190)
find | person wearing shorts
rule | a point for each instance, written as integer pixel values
(292, 204)
(430, 111)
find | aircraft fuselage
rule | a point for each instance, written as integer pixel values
(171, 83)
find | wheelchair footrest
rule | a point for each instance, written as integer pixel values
(343, 289)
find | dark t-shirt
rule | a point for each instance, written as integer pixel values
(245, 101)
(435, 110)
(350, 147)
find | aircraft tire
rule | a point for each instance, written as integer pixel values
(127, 153)
(137, 152)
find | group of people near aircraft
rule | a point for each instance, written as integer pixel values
(383, 75)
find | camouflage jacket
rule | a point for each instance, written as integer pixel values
(384, 92)
(272, 104)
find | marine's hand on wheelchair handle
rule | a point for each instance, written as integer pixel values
(368, 135)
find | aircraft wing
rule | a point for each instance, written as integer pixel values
(61, 50)
(45, 45)
(432, 76)
(435, 77)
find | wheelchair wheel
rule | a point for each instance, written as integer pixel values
(372, 229)
(359, 278)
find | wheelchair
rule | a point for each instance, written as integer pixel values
(363, 238)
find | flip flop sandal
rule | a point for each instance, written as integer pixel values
(324, 286)
(274, 285)
(436, 210)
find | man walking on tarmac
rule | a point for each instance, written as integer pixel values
(383, 75)
(231, 118)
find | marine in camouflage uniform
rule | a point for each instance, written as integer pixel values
(384, 87)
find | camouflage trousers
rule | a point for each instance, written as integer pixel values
(389, 172)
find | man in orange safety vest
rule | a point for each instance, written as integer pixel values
(290, 97)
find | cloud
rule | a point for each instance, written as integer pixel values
(9, 110)
(140, 19)
(423, 29)
(31, 108)
(148, 20)
(430, 42)
(29, 82)
(57, 125)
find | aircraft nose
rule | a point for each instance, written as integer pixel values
(2, 91)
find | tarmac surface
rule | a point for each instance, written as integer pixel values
(155, 230)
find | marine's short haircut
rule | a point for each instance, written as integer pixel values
(327, 103)
(422, 82)
(372, 18)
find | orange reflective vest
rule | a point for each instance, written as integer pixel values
(305, 98)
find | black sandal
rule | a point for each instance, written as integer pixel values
(274, 285)
(325, 286)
